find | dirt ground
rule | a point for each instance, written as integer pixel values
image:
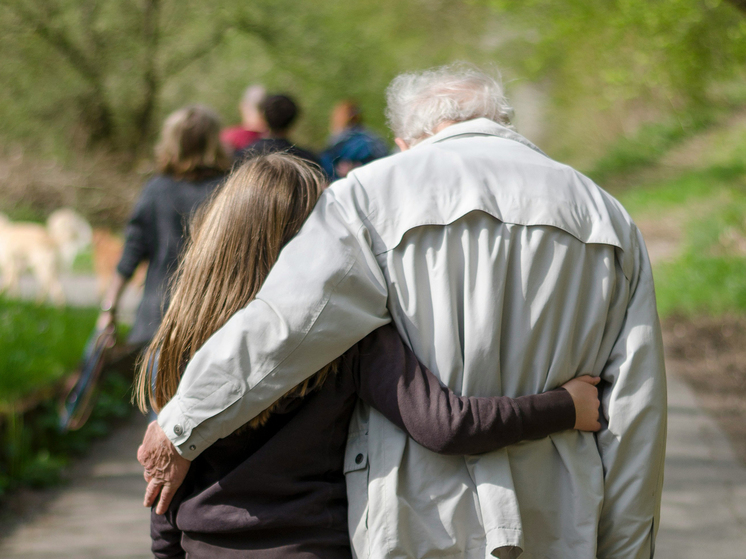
(710, 354)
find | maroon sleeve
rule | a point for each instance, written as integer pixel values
(389, 377)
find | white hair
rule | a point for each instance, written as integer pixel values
(417, 102)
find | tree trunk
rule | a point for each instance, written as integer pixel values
(151, 79)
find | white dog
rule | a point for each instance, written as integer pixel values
(70, 232)
(43, 250)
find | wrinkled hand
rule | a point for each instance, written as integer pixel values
(585, 397)
(165, 468)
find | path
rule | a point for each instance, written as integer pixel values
(82, 291)
(99, 514)
(703, 513)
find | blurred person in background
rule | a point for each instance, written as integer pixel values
(507, 273)
(191, 162)
(351, 144)
(280, 113)
(252, 125)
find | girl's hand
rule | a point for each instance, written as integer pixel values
(585, 397)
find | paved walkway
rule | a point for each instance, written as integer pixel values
(98, 515)
(703, 513)
(83, 291)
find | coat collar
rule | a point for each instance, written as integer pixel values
(477, 126)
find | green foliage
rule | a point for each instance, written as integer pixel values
(700, 284)
(689, 191)
(38, 345)
(631, 47)
(610, 67)
(25, 212)
(83, 263)
(32, 450)
(76, 72)
(653, 141)
(708, 276)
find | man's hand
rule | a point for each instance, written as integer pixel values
(585, 397)
(165, 468)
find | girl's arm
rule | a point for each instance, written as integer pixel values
(391, 379)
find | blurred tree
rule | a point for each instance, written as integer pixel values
(107, 60)
(628, 48)
(615, 65)
(79, 73)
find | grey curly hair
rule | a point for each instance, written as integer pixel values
(417, 102)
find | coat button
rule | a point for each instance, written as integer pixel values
(359, 459)
(178, 430)
(192, 447)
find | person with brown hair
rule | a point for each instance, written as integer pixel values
(191, 162)
(276, 486)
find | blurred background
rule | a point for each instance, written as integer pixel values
(646, 97)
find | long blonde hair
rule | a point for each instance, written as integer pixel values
(236, 238)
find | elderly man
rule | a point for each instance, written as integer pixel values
(488, 256)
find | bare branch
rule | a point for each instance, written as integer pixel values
(99, 113)
(176, 65)
(90, 11)
(151, 38)
(60, 42)
(265, 33)
(241, 24)
(739, 4)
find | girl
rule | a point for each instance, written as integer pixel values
(275, 487)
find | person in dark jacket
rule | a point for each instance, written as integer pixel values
(351, 144)
(280, 113)
(191, 163)
(276, 486)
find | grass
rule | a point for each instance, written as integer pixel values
(709, 275)
(83, 263)
(33, 452)
(705, 202)
(25, 212)
(701, 285)
(647, 147)
(691, 187)
(38, 345)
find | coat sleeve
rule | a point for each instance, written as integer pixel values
(390, 378)
(325, 293)
(633, 441)
(139, 233)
